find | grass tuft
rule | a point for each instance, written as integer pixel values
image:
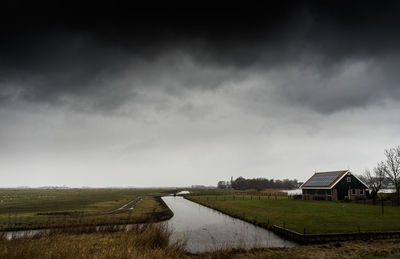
(142, 241)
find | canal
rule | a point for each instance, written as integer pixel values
(206, 229)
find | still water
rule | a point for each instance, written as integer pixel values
(206, 229)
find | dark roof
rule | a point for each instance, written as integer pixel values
(324, 179)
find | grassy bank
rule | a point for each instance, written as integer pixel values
(38, 208)
(148, 241)
(315, 217)
(152, 241)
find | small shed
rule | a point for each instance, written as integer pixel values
(334, 185)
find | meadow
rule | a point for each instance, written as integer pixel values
(304, 216)
(75, 214)
(44, 208)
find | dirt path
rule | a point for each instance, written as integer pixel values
(128, 206)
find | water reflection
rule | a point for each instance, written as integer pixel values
(206, 229)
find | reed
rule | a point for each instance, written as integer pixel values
(141, 241)
(152, 241)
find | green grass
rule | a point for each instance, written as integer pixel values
(42, 208)
(314, 216)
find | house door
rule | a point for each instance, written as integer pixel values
(341, 193)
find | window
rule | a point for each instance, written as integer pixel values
(361, 191)
(348, 179)
(353, 191)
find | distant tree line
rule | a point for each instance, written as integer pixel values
(241, 183)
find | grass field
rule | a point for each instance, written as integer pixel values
(42, 208)
(316, 217)
(152, 241)
(85, 208)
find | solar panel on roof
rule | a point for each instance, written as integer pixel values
(322, 180)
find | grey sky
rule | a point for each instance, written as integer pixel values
(182, 105)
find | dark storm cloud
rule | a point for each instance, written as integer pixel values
(103, 56)
(106, 95)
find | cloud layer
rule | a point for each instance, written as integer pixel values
(179, 99)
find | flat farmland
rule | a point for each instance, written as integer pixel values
(42, 208)
(313, 217)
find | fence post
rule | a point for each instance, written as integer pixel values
(304, 231)
(382, 207)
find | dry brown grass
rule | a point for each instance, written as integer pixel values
(343, 250)
(146, 241)
(152, 241)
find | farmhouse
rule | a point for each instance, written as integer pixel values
(334, 185)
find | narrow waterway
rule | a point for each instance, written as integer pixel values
(206, 229)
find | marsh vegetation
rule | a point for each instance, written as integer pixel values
(152, 241)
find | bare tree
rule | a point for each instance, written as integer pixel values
(375, 179)
(392, 167)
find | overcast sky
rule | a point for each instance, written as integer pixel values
(133, 96)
